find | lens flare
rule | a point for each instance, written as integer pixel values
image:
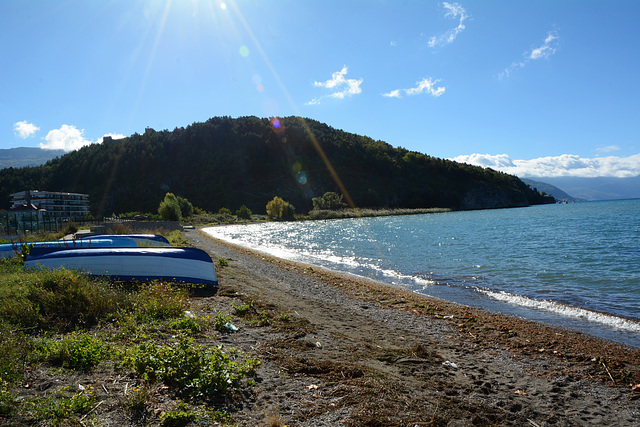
(277, 126)
(301, 177)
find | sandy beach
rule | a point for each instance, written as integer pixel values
(356, 352)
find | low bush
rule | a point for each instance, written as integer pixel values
(192, 370)
(77, 350)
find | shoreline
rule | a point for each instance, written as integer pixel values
(598, 324)
(515, 350)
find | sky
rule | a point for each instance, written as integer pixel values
(534, 88)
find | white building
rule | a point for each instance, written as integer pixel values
(72, 206)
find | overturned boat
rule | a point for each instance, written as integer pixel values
(8, 250)
(174, 264)
(141, 239)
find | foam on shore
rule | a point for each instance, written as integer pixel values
(565, 310)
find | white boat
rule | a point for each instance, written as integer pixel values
(8, 250)
(189, 265)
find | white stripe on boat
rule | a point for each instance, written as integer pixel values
(190, 265)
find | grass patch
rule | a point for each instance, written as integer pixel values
(59, 409)
(177, 239)
(67, 321)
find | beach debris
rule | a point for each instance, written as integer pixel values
(189, 314)
(450, 364)
(230, 326)
(312, 387)
(522, 392)
(318, 344)
(448, 317)
(606, 369)
(635, 387)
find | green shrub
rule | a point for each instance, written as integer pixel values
(180, 417)
(77, 350)
(176, 238)
(279, 209)
(242, 309)
(244, 212)
(158, 301)
(191, 370)
(70, 228)
(60, 300)
(15, 348)
(189, 323)
(329, 201)
(224, 212)
(169, 208)
(57, 408)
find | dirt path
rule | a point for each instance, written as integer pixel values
(339, 351)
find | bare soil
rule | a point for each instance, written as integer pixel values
(353, 352)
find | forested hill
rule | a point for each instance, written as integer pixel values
(227, 162)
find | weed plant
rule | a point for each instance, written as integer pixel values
(77, 350)
(56, 407)
(192, 370)
(67, 320)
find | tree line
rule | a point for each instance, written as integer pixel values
(248, 161)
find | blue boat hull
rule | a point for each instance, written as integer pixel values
(143, 239)
(8, 250)
(189, 265)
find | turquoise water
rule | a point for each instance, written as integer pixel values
(574, 265)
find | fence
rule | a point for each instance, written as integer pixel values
(14, 224)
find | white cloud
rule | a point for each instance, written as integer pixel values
(608, 148)
(343, 87)
(455, 11)
(69, 138)
(564, 165)
(548, 48)
(426, 85)
(24, 130)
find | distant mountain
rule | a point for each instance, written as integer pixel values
(227, 162)
(26, 156)
(601, 188)
(547, 188)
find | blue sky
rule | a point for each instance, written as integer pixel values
(540, 88)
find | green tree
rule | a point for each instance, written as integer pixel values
(169, 208)
(329, 201)
(244, 212)
(279, 209)
(186, 208)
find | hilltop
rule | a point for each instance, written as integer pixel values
(226, 162)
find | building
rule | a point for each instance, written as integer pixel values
(58, 205)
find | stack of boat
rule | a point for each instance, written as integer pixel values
(128, 257)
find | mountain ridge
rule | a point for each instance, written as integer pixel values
(225, 162)
(26, 156)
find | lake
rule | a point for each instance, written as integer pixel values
(573, 265)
